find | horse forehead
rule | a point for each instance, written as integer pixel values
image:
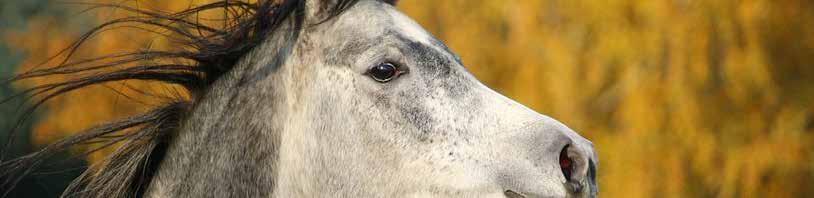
(373, 18)
(409, 28)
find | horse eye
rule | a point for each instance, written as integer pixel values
(384, 72)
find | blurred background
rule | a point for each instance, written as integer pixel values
(682, 98)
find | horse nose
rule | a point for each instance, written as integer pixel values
(579, 169)
(574, 160)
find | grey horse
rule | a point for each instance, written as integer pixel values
(335, 99)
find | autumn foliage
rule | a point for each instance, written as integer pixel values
(681, 98)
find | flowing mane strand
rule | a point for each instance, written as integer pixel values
(202, 55)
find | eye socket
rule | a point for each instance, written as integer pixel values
(384, 72)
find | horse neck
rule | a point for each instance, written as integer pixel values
(227, 146)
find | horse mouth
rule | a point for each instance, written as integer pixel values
(512, 194)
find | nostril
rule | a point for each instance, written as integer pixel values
(571, 168)
(566, 163)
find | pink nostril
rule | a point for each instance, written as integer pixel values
(574, 171)
(566, 163)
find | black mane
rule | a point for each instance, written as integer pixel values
(204, 54)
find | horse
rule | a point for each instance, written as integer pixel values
(312, 98)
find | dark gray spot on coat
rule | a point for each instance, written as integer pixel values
(419, 118)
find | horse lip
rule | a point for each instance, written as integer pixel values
(575, 186)
(512, 194)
